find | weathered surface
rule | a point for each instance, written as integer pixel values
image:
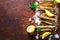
(14, 16)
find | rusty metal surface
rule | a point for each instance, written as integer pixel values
(14, 16)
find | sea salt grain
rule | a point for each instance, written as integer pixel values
(37, 13)
(36, 3)
(34, 17)
(37, 37)
(30, 19)
(36, 20)
(39, 22)
(56, 36)
(50, 37)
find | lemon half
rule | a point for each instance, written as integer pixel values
(58, 1)
(30, 28)
(48, 13)
(44, 35)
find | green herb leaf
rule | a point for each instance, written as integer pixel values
(38, 29)
(33, 6)
(54, 2)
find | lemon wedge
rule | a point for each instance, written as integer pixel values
(31, 29)
(58, 1)
(44, 35)
(48, 13)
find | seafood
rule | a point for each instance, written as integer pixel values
(45, 18)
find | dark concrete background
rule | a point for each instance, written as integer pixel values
(14, 16)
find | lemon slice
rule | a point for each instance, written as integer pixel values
(31, 29)
(58, 1)
(48, 13)
(45, 34)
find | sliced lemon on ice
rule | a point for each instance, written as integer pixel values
(58, 1)
(44, 35)
(30, 28)
(48, 13)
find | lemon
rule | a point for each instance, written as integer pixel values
(58, 1)
(30, 28)
(48, 13)
(44, 35)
